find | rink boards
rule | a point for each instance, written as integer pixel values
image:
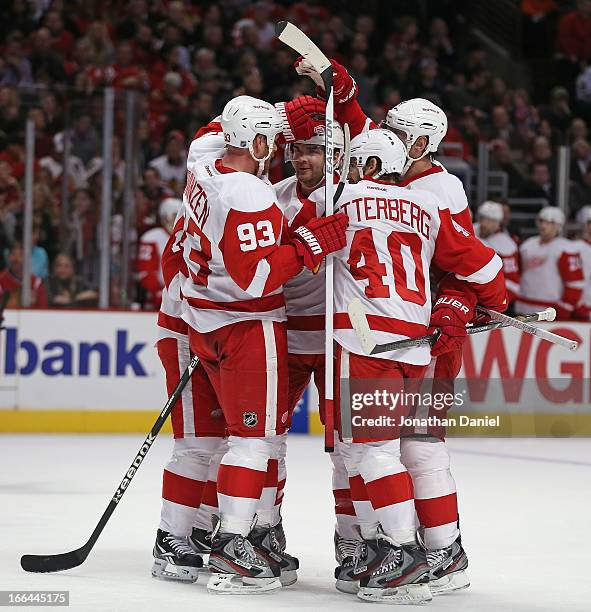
(83, 371)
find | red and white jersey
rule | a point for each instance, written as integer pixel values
(149, 268)
(551, 275)
(448, 189)
(584, 250)
(507, 249)
(393, 237)
(174, 269)
(304, 293)
(233, 224)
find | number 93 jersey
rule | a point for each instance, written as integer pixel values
(393, 236)
(232, 223)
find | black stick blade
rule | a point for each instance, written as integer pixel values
(54, 563)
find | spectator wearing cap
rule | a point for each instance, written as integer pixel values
(172, 164)
(490, 231)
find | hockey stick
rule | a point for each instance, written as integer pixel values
(364, 334)
(346, 162)
(543, 334)
(69, 560)
(293, 37)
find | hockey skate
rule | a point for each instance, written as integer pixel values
(401, 575)
(174, 559)
(200, 542)
(349, 553)
(447, 569)
(269, 542)
(238, 568)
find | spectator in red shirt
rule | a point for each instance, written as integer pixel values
(63, 41)
(11, 281)
(574, 33)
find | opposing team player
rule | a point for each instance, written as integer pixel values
(234, 306)
(421, 126)
(392, 239)
(489, 230)
(551, 270)
(305, 297)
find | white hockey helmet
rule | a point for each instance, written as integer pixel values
(243, 118)
(418, 117)
(552, 214)
(384, 145)
(584, 215)
(169, 207)
(491, 210)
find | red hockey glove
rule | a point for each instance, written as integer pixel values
(302, 117)
(319, 237)
(343, 84)
(452, 311)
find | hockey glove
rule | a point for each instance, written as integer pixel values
(343, 84)
(302, 117)
(453, 309)
(319, 237)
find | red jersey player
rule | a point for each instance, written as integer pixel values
(234, 306)
(392, 239)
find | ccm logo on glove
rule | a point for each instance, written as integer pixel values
(449, 301)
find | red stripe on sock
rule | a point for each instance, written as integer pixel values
(358, 489)
(182, 490)
(237, 481)
(437, 510)
(272, 473)
(279, 496)
(343, 504)
(210, 494)
(392, 489)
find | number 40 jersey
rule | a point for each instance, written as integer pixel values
(393, 236)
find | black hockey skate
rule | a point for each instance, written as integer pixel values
(200, 542)
(349, 554)
(447, 569)
(174, 559)
(401, 575)
(238, 567)
(270, 543)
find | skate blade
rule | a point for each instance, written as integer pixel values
(409, 594)
(233, 584)
(288, 577)
(347, 586)
(449, 584)
(175, 573)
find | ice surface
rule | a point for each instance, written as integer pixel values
(524, 504)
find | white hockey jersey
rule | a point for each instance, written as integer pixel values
(304, 293)
(583, 248)
(393, 237)
(551, 275)
(233, 224)
(448, 189)
(507, 249)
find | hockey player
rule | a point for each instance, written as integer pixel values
(305, 296)
(391, 240)
(150, 252)
(489, 230)
(189, 481)
(421, 126)
(583, 246)
(235, 310)
(551, 271)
